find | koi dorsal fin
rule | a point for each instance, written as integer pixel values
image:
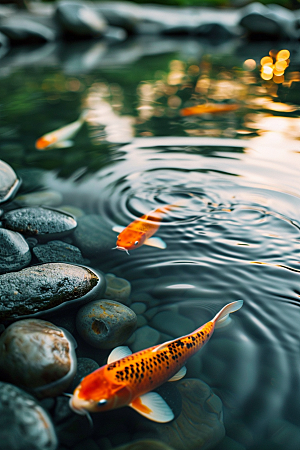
(180, 374)
(153, 406)
(118, 353)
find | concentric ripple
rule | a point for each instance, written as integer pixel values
(231, 238)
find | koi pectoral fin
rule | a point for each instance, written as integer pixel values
(118, 228)
(153, 407)
(180, 374)
(119, 353)
(156, 242)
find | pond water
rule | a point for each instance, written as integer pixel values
(237, 235)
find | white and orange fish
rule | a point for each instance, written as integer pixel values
(60, 138)
(140, 231)
(128, 379)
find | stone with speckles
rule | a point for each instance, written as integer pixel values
(37, 355)
(105, 323)
(43, 223)
(28, 423)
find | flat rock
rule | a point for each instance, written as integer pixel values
(93, 236)
(43, 223)
(105, 323)
(14, 251)
(199, 426)
(117, 288)
(38, 356)
(28, 423)
(55, 251)
(9, 182)
(79, 19)
(43, 289)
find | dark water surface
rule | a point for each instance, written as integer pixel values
(238, 237)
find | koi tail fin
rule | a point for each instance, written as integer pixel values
(222, 318)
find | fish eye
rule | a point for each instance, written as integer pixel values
(102, 402)
(136, 242)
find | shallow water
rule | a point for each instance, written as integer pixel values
(236, 237)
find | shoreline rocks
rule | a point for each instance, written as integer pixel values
(43, 289)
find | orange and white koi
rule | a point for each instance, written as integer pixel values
(141, 230)
(128, 379)
(60, 137)
(208, 108)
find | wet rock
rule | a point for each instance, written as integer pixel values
(43, 223)
(55, 251)
(172, 323)
(93, 236)
(46, 288)
(45, 198)
(24, 424)
(145, 444)
(37, 356)
(78, 19)
(271, 21)
(4, 44)
(199, 425)
(22, 30)
(145, 337)
(14, 251)
(138, 307)
(105, 323)
(84, 367)
(9, 183)
(117, 288)
(120, 14)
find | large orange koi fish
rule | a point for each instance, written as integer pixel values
(128, 379)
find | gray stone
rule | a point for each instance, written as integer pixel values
(43, 223)
(138, 307)
(105, 323)
(9, 183)
(24, 424)
(172, 323)
(93, 236)
(37, 355)
(284, 434)
(271, 21)
(199, 425)
(79, 19)
(84, 367)
(19, 29)
(55, 251)
(117, 288)
(14, 251)
(43, 289)
(145, 337)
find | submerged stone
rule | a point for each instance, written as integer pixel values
(14, 251)
(199, 426)
(93, 236)
(43, 289)
(117, 288)
(9, 182)
(44, 223)
(45, 198)
(37, 355)
(24, 424)
(55, 251)
(105, 323)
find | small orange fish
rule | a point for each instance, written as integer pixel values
(140, 230)
(61, 136)
(128, 379)
(208, 108)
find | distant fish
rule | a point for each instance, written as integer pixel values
(208, 108)
(127, 379)
(60, 138)
(139, 231)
